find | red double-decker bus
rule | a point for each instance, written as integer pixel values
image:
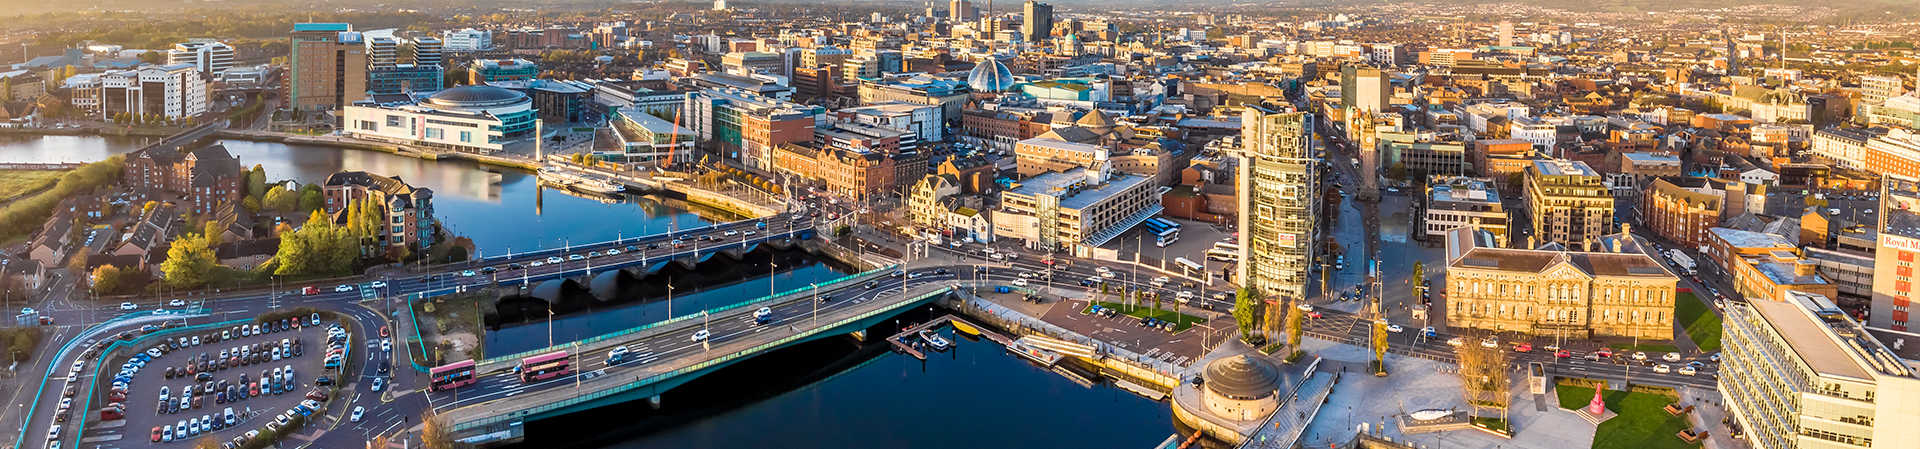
(451, 376)
(545, 366)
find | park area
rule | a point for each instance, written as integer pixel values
(1702, 326)
(14, 183)
(1180, 321)
(1641, 424)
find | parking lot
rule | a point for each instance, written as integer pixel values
(253, 376)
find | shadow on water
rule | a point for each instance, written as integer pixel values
(839, 393)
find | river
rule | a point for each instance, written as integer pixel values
(824, 394)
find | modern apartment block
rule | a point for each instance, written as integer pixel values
(1365, 88)
(1069, 210)
(388, 73)
(468, 40)
(743, 126)
(211, 57)
(1898, 246)
(1279, 194)
(1568, 202)
(1800, 374)
(484, 71)
(174, 91)
(1458, 201)
(329, 67)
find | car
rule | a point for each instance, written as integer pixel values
(206, 423)
(576, 257)
(613, 252)
(1429, 332)
(174, 303)
(1604, 352)
(1395, 328)
(1457, 341)
(1671, 357)
(314, 319)
(358, 412)
(166, 434)
(1304, 307)
(1662, 368)
(343, 288)
(731, 233)
(379, 383)
(701, 335)
(166, 392)
(157, 432)
(1715, 358)
(555, 259)
(1523, 347)
(386, 345)
(872, 284)
(1688, 370)
(1563, 353)
(1491, 342)
(1638, 355)
(180, 430)
(229, 417)
(1020, 282)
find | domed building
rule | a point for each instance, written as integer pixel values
(1242, 388)
(990, 76)
(476, 118)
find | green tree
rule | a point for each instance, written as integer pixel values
(211, 231)
(312, 201)
(188, 263)
(1246, 307)
(252, 204)
(257, 182)
(280, 199)
(152, 57)
(1398, 171)
(1814, 202)
(1419, 273)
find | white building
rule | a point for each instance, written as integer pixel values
(175, 90)
(1801, 374)
(479, 119)
(923, 120)
(1532, 129)
(467, 40)
(1847, 148)
(211, 57)
(1461, 201)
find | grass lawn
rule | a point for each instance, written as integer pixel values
(1181, 321)
(1489, 423)
(1701, 324)
(17, 182)
(1640, 425)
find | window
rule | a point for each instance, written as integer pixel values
(395, 120)
(466, 136)
(399, 230)
(435, 133)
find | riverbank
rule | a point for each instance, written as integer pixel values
(262, 136)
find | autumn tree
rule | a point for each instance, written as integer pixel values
(189, 262)
(1483, 377)
(106, 279)
(435, 433)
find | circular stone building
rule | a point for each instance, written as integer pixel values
(1242, 388)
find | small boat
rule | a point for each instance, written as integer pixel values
(1042, 356)
(933, 339)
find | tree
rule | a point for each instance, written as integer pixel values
(1246, 305)
(251, 203)
(106, 279)
(1815, 202)
(257, 182)
(6, 89)
(434, 433)
(206, 442)
(1296, 326)
(1515, 179)
(188, 263)
(1483, 377)
(78, 262)
(152, 57)
(148, 208)
(280, 199)
(1398, 171)
(311, 201)
(1380, 344)
(211, 232)
(1419, 272)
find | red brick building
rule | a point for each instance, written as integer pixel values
(208, 177)
(408, 209)
(1679, 214)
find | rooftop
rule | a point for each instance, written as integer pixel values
(1073, 188)
(1749, 239)
(1561, 167)
(1826, 339)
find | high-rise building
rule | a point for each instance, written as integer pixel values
(961, 11)
(211, 57)
(428, 50)
(1800, 373)
(719, 5)
(390, 73)
(329, 67)
(745, 126)
(174, 91)
(1506, 34)
(1894, 254)
(1568, 203)
(1279, 194)
(1365, 88)
(1037, 22)
(483, 71)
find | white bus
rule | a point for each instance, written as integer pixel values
(1223, 255)
(1190, 265)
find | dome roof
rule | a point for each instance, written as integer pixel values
(1242, 377)
(475, 95)
(990, 76)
